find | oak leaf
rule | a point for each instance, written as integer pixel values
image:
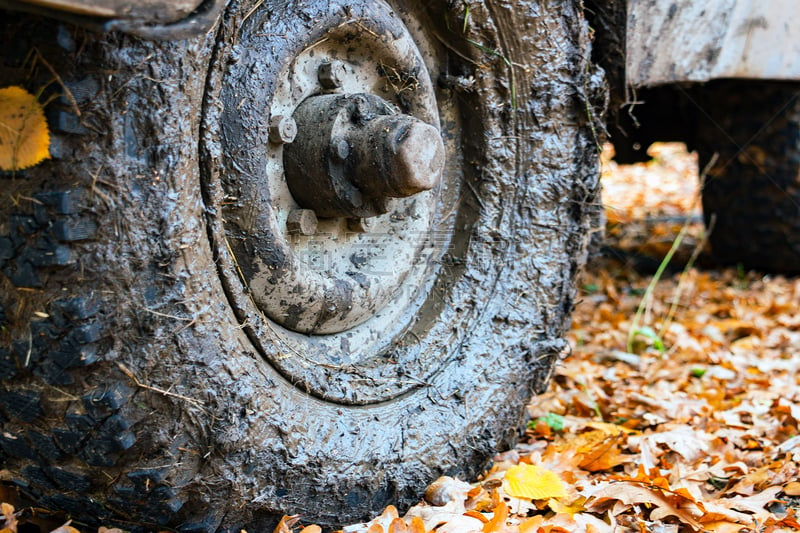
(630, 494)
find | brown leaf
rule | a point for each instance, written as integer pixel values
(755, 504)
(446, 489)
(633, 494)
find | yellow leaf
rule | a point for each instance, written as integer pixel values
(571, 509)
(533, 482)
(24, 137)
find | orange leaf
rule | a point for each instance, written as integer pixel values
(498, 521)
(375, 528)
(792, 488)
(398, 525)
(724, 526)
(417, 525)
(599, 449)
(311, 529)
(24, 137)
(477, 515)
(66, 528)
(531, 525)
(286, 524)
(8, 516)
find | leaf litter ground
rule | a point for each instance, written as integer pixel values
(678, 408)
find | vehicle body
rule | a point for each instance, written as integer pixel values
(671, 42)
(723, 77)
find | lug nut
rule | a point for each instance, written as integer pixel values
(331, 74)
(407, 153)
(361, 109)
(340, 149)
(419, 159)
(302, 222)
(282, 129)
(360, 225)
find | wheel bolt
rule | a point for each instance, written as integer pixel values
(340, 149)
(331, 74)
(361, 109)
(302, 222)
(360, 225)
(282, 129)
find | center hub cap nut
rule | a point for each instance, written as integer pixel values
(401, 156)
(353, 153)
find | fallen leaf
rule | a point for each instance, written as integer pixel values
(398, 525)
(634, 494)
(416, 525)
(66, 528)
(286, 523)
(572, 509)
(599, 449)
(755, 504)
(533, 482)
(24, 137)
(446, 489)
(9, 520)
(724, 527)
(792, 488)
(498, 521)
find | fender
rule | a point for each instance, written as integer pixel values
(149, 19)
(670, 41)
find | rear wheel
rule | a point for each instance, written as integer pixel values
(305, 264)
(751, 196)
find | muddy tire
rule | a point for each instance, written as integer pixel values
(157, 371)
(751, 196)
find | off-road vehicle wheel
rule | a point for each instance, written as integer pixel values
(751, 196)
(307, 263)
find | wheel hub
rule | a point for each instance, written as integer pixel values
(355, 152)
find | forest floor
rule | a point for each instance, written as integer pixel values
(678, 408)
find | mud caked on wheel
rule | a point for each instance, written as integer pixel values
(750, 130)
(306, 263)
